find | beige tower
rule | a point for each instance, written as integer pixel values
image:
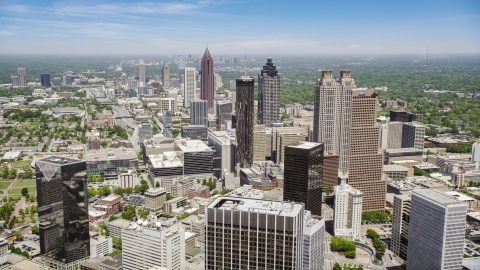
(22, 76)
(259, 142)
(141, 71)
(365, 158)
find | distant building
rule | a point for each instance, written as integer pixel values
(189, 87)
(224, 110)
(15, 81)
(194, 132)
(232, 85)
(45, 80)
(165, 77)
(347, 218)
(169, 104)
(259, 143)
(22, 76)
(57, 81)
(394, 137)
(224, 145)
(145, 131)
(268, 94)
(303, 175)
(207, 88)
(199, 112)
(141, 71)
(475, 153)
(436, 235)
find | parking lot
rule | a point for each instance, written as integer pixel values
(31, 246)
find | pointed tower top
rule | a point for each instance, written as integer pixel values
(141, 61)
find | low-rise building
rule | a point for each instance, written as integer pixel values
(112, 263)
(100, 245)
(115, 227)
(111, 204)
(463, 198)
(397, 172)
(174, 203)
(199, 191)
(110, 162)
(155, 198)
(415, 182)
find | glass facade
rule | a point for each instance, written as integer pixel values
(63, 208)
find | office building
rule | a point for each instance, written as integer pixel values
(402, 116)
(413, 135)
(62, 210)
(111, 263)
(207, 87)
(128, 179)
(110, 162)
(223, 111)
(165, 77)
(100, 246)
(394, 137)
(259, 143)
(145, 131)
(169, 104)
(224, 145)
(331, 124)
(166, 164)
(303, 175)
(232, 85)
(330, 170)
(198, 191)
(282, 137)
(250, 233)
(400, 225)
(22, 76)
(14, 80)
(189, 86)
(313, 241)
(199, 112)
(365, 158)
(268, 94)
(154, 242)
(45, 80)
(167, 120)
(57, 81)
(123, 79)
(436, 235)
(173, 204)
(263, 176)
(475, 153)
(397, 172)
(194, 132)
(244, 121)
(347, 220)
(155, 198)
(141, 71)
(197, 156)
(181, 70)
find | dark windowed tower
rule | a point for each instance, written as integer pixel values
(45, 80)
(268, 94)
(244, 121)
(63, 208)
(207, 79)
(303, 175)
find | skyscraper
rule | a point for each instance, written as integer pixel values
(45, 80)
(14, 80)
(268, 94)
(400, 224)
(475, 152)
(199, 112)
(303, 175)
(223, 111)
(255, 234)
(365, 158)
(189, 86)
(181, 70)
(331, 124)
(436, 235)
(244, 121)
(165, 77)
(413, 135)
(124, 79)
(141, 71)
(62, 209)
(22, 76)
(206, 79)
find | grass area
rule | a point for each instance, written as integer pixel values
(22, 164)
(16, 189)
(31, 124)
(4, 184)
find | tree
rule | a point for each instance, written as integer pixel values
(22, 213)
(19, 236)
(337, 266)
(117, 242)
(169, 197)
(119, 191)
(157, 184)
(92, 192)
(329, 190)
(35, 230)
(25, 192)
(104, 143)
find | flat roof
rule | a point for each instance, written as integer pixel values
(110, 154)
(290, 209)
(305, 145)
(394, 168)
(437, 196)
(460, 196)
(192, 146)
(59, 160)
(165, 160)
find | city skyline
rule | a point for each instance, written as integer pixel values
(406, 27)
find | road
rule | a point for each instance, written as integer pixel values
(159, 124)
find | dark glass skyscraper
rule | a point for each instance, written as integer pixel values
(268, 94)
(45, 80)
(63, 209)
(207, 88)
(303, 171)
(244, 121)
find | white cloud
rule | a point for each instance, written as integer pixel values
(353, 46)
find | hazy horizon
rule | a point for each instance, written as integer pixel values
(109, 27)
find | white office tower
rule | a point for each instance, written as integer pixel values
(141, 71)
(476, 152)
(347, 218)
(436, 232)
(153, 242)
(244, 233)
(313, 241)
(190, 85)
(217, 81)
(383, 132)
(400, 224)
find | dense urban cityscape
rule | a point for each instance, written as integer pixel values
(320, 140)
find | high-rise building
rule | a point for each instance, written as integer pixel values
(303, 175)
(365, 158)
(124, 79)
(268, 94)
(253, 234)
(157, 242)
(436, 235)
(22, 76)
(331, 124)
(330, 170)
(207, 88)
(475, 153)
(413, 135)
(244, 121)
(45, 80)
(145, 131)
(394, 136)
(259, 143)
(347, 221)
(313, 241)
(223, 111)
(14, 80)
(283, 136)
(190, 86)
(63, 210)
(400, 225)
(141, 71)
(181, 70)
(232, 85)
(165, 77)
(57, 81)
(199, 112)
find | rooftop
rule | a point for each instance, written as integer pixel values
(167, 159)
(289, 209)
(396, 168)
(305, 145)
(460, 196)
(437, 196)
(109, 154)
(346, 188)
(192, 146)
(114, 262)
(156, 191)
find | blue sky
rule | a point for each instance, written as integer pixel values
(267, 26)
